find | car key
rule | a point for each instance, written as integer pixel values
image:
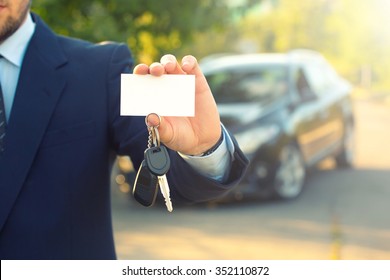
(158, 162)
(164, 188)
(145, 186)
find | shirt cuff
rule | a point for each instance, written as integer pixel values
(216, 165)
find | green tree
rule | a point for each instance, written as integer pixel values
(149, 27)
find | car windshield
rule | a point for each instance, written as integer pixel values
(263, 84)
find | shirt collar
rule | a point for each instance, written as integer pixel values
(14, 47)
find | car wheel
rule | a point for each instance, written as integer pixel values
(346, 157)
(290, 174)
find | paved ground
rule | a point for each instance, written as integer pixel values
(342, 214)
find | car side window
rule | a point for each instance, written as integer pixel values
(302, 86)
(262, 85)
(321, 76)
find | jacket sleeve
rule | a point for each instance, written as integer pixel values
(187, 185)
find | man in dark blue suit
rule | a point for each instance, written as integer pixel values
(62, 131)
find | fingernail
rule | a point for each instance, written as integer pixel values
(168, 59)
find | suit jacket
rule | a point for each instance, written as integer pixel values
(62, 138)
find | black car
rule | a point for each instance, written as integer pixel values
(287, 111)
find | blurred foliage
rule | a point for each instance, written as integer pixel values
(150, 27)
(353, 35)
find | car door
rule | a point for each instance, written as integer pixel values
(325, 130)
(324, 80)
(308, 119)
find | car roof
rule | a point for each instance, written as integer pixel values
(225, 61)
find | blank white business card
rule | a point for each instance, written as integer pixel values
(166, 95)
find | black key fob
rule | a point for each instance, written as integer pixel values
(157, 160)
(145, 186)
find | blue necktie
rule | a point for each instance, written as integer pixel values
(3, 122)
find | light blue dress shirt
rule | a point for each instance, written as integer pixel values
(214, 166)
(217, 164)
(13, 50)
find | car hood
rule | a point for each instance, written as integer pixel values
(233, 115)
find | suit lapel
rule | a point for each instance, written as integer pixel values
(39, 87)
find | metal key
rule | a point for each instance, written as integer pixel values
(145, 186)
(164, 188)
(158, 163)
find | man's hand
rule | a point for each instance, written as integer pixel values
(188, 135)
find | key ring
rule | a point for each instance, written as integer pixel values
(154, 136)
(147, 122)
